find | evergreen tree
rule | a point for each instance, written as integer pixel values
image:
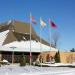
(72, 50)
(57, 57)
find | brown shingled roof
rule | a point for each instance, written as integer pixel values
(4, 27)
(19, 31)
(22, 27)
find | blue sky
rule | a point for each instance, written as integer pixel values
(61, 12)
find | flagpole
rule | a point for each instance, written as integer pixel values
(30, 39)
(50, 35)
(42, 24)
(52, 26)
(40, 46)
(12, 47)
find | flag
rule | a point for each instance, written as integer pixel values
(53, 25)
(42, 23)
(33, 19)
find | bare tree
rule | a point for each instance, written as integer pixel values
(55, 38)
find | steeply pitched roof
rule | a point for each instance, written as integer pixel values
(4, 27)
(17, 26)
(21, 27)
(10, 38)
(19, 31)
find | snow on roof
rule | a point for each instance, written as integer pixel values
(3, 35)
(22, 46)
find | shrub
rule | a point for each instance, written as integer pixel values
(22, 60)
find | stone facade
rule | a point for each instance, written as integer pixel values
(65, 57)
(47, 56)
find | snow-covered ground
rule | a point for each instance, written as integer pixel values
(35, 70)
(58, 64)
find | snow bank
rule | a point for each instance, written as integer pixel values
(34, 70)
